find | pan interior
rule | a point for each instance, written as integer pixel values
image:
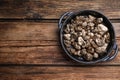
(106, 23)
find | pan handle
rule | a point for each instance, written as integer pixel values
(115, 48)
(64, 16)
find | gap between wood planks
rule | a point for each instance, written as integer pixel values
(57, 65)
(116, 20)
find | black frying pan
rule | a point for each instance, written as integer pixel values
(66, 18)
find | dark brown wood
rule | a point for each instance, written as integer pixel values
(40, 55)
(45, 9)
(30, 50)
(28, 31)
(15, 31)
(28, 43)
(60, 73)
(36, 43)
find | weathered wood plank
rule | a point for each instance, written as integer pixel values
(60, 73)
(53, 9)
(34, 31)
(28, 31)
(53, 55)
(28, 43)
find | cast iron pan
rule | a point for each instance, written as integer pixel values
(112, 46)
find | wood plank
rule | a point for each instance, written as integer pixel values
(28, 43)
(28, 31)
(36, 43)
(50, 55)
(46, 9)
(60, 73)
(16, 31)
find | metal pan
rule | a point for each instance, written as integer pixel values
(112, 46)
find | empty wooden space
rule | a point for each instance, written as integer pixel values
(60, 73)
(29, 41)
(52, 9)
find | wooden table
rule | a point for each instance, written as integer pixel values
(29, 45)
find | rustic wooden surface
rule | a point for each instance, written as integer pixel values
(29, 45)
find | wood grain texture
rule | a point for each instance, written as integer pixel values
(16, 31)
(30, 50)
(49, 55)
(36, 43)
(60, 73)
(52, 9)
(28, 31)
